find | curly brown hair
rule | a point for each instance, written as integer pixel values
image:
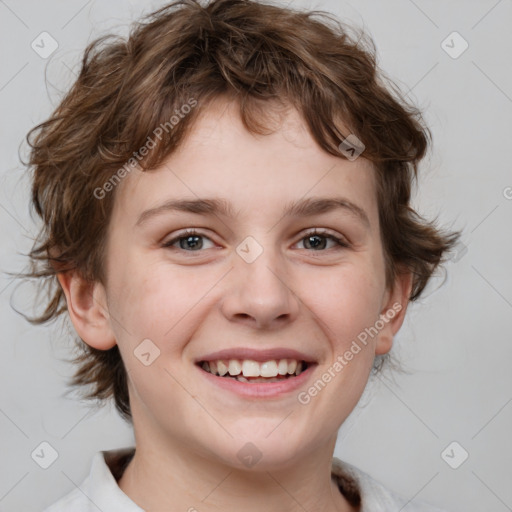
(248, 51)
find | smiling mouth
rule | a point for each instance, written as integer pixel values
(254, 371)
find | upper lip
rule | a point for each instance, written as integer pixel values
(257, 355)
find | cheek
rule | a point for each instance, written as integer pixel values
(347, 305)
(347, 301)
(150, 300)
(158, 306)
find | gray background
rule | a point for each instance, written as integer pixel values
(455, 341)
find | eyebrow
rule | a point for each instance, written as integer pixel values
(301, 208)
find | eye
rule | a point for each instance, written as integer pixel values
(189, 239)
(313, 239)
(192, 241)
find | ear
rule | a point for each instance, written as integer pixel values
(393, 312)
(87, 307)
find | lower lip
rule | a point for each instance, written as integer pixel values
(260, 389)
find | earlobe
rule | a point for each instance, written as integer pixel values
(88, 311)
(392, 314)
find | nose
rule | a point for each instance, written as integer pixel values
(260, 294)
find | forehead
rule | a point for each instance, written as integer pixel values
(221, 158)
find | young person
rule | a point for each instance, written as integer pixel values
(225, 199)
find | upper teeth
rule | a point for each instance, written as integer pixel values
(250, 368)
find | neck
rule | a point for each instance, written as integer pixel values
(179, 479)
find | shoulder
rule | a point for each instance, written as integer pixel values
(99, 490)
(374, 496)
(76, 500)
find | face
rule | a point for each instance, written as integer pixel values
(273, 275)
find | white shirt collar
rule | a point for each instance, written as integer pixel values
(105, 493)
(99, 492)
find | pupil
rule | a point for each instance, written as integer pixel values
(192, 245)
(315, 245)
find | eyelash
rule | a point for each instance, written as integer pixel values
(319, 232)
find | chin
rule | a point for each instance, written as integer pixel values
(255, 453)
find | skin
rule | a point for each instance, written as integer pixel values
(189, 302)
